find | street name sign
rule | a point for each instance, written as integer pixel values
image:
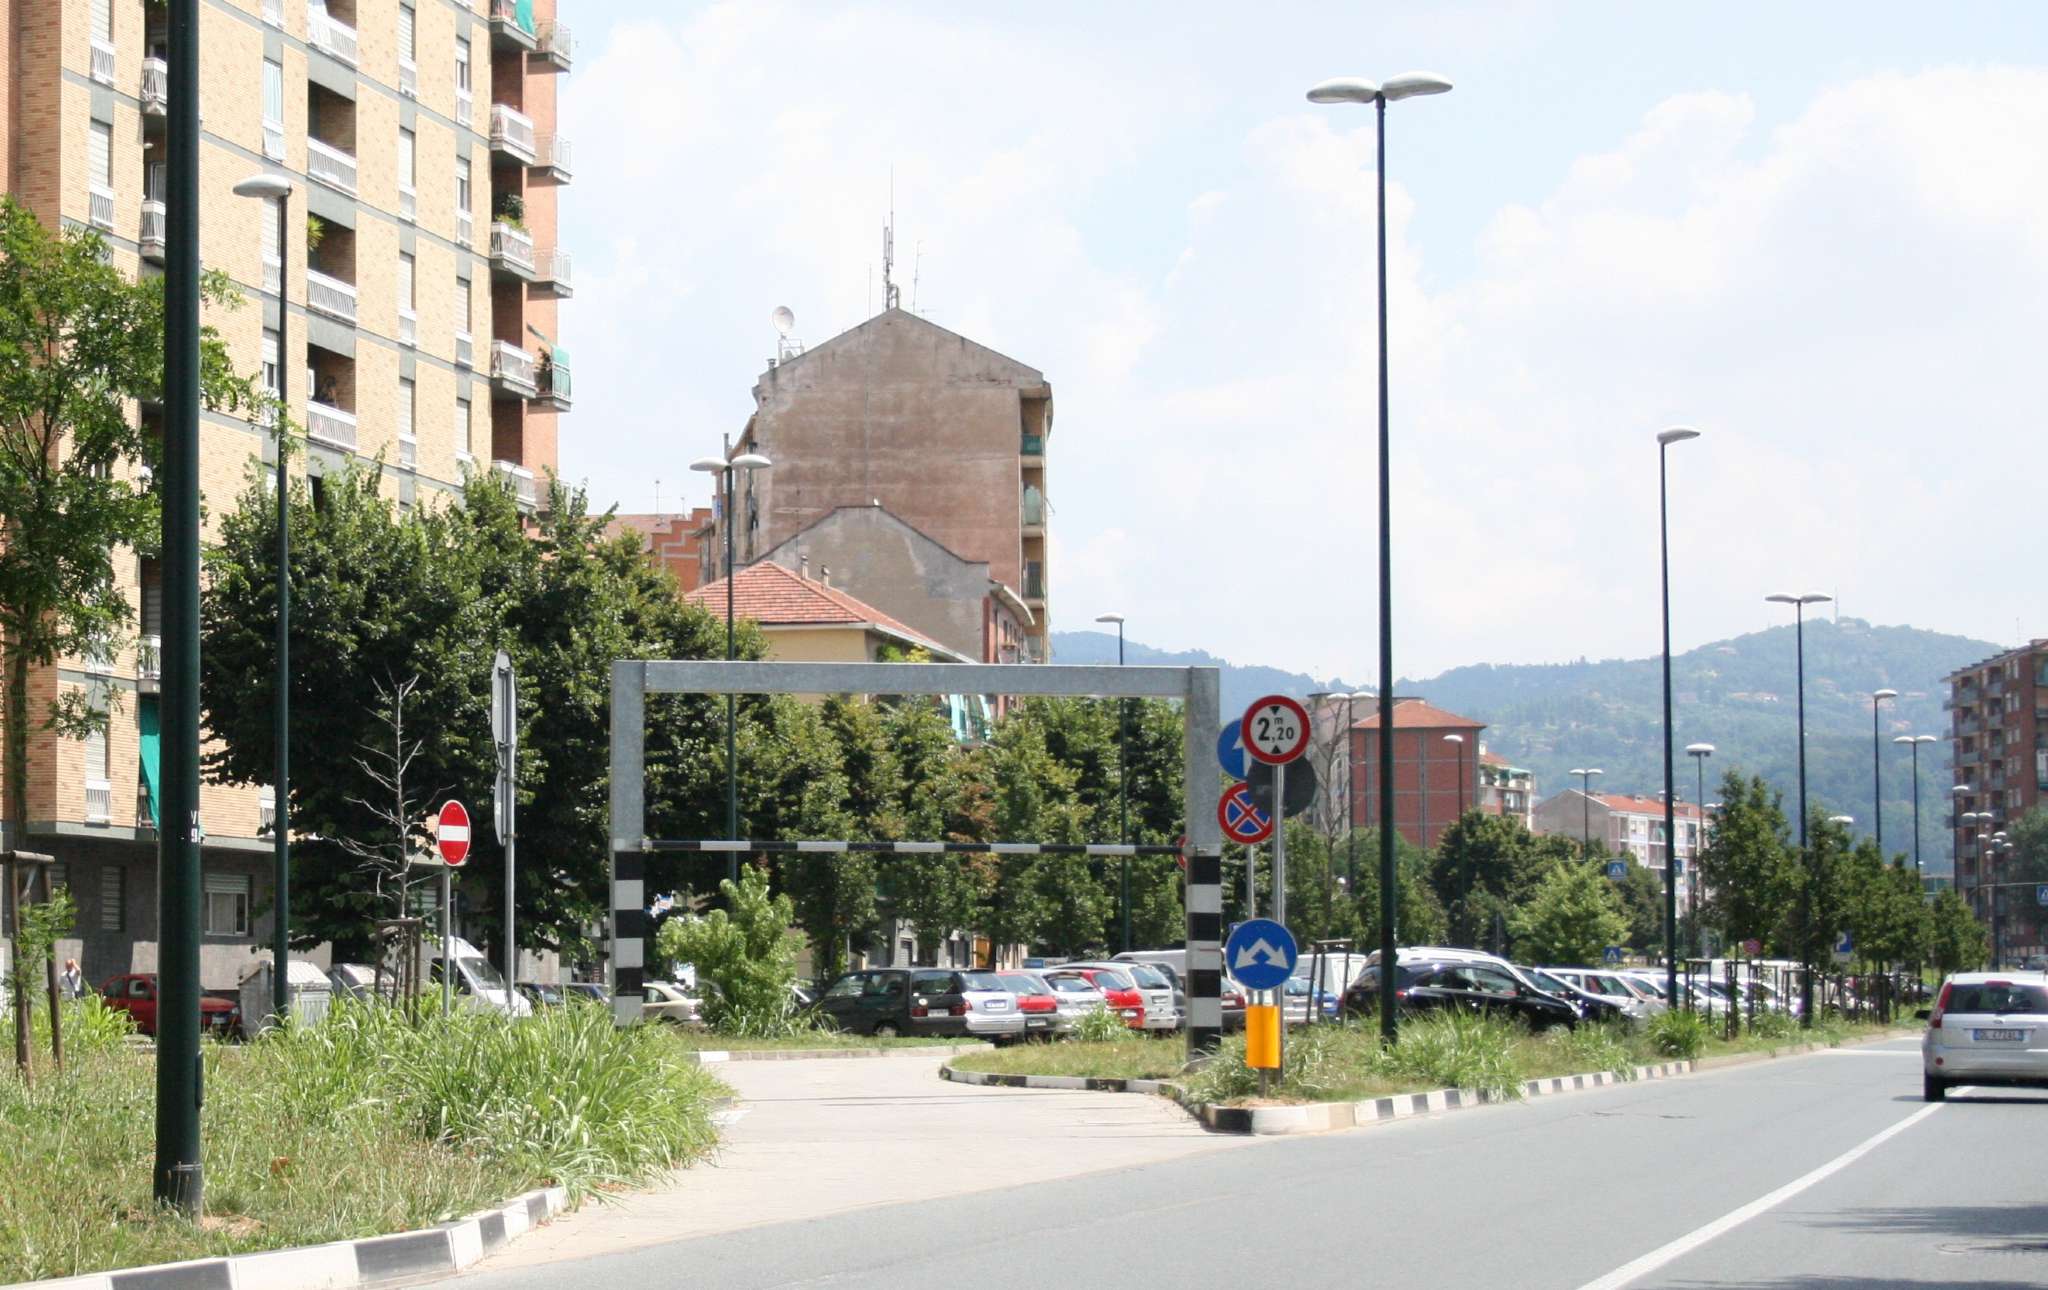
(1275, 729)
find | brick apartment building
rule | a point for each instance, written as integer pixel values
(420, 265)
(675, 541)
(1627, 825)
(2000, 742)
(900, 415)
(1436, 776)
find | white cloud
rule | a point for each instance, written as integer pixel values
(1847, 303)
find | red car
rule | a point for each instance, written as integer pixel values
(135, 994)
(1119, 993)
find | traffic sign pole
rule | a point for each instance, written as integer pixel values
(448, 941)
(1280, 901)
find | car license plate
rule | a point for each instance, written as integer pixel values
(1998, 1036)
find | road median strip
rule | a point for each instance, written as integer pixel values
(371, 1260)
(717, 1056)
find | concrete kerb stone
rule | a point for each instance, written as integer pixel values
(373, 1260)
(718, 1056)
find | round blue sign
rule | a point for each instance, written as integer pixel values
(1260, 954)
(1230, 751)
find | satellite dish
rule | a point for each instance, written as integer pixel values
(784, 319)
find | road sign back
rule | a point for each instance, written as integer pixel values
(1301, 788)
(1260, 954)
(1241, 817)
(1275, 729)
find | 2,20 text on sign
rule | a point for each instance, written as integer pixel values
(1275, 729)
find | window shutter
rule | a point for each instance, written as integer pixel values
(100, 154)
(406, 49)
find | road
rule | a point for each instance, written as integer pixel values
(1824, 1171)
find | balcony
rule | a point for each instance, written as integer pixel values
(328, 35)
(149, 664)
(273, 140)
(408, 326)
(102, 61)
(145, 812)
(266, 811)
(99, 802)
(1969, 727)
(1032, 448)
(1965, 695)
(273, 12)
(408, 78)
(153, 232)
(1034, 581)
(330, 296)
(555, 43)
(331, 166)
(553, 154)
(519, 477)
(465, 228)
(100, 207)
(331, 425)
(1033, 512)
(551, 273)
(1969, 757)
(465, 350)
(464, 107)
(512, 250)
(513, 370)
(552, 380)
(512, 133)
(512, 26)
(156, 86)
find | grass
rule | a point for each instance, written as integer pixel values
(1346, 1062)
(361, 1126)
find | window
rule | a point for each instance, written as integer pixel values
(273, 110)
(99, 156)
(462, 91)
(406, 45)
(462, 446)
(846, 987)
(271, 366)
(227, 904)
(103, 21)
(113, 898)
(935, 983)
(408, 321)
(407, 152)
(273, 262)
(408, 446)
(463, 209)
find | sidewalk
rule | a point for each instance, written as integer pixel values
(823, 1136)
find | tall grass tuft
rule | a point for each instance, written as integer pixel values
(1679, 1034)
(1459, 1050)
(1593, 1047)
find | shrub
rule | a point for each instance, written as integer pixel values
(1679, 1034)
(1224, 1077)
(1100, 1025)
(745, 957)
(1458, 1050)
(1772, 1024)
(1594, 1048)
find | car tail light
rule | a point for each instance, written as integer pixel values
(961, 1008)
(919, 1010)
(1940, 1006)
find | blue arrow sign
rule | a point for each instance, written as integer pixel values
(1613, 954)
(2041, 895)
(1260, 954)
(1230, 750)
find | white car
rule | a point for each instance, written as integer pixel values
(1076, 997)
(1161, 1012)
(666, 1001)
(1987, 1028)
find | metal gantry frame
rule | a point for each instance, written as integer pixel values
(1197, 688)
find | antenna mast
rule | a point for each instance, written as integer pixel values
(892, 295)
(916, 273)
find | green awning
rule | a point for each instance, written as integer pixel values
(522, 13)
(146, 726)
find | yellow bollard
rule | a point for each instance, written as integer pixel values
(1262, 1036)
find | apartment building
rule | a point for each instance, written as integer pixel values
(1628, 825)
(673, 540)
(421, 277)
(898, 413)
(1506, 789)
(1999, 738)
(1435, 769)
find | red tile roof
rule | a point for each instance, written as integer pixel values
(1414, 714)
(777, 597)
(1630, 804)
(1490, 758)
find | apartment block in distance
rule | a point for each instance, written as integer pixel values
(2000, 741)
(421, 278)
(1435, 769)
(1628, 825)
(901, 415)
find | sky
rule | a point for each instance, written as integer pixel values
(1818, 233)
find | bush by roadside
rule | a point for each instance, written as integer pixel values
(360, 1126)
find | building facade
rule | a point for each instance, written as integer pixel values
(676, 541)
(1628, 825)
(1506, 789)
(1999, 735)
(1435, 769)
(417, 259)
(898, 413)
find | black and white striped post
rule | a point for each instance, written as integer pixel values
(1195, 687)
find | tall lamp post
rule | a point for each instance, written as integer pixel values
(1914, 742)
(1356, 90)
(1799, 604)
(1699, 754)
(1585, 775)
(1123, 786)
(719, 466)
(1665, 438)
(278, 189)
(1877, 698)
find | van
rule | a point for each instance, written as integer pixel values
(477, 979)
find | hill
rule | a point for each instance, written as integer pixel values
(1737, 694)
(1240, 683)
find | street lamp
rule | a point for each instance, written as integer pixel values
(1699, 754)
(747, 461)
(1914, 742)
(1357, 90)
(1877, 698)
(1799, 604)
(1665, 438)
(1586, 800)
(1123, 775)
(278, 189)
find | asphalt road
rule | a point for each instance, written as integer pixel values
(1819, 1171)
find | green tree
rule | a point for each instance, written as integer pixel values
(1641, 894)
(1572, 917)
(801, 790)
(1887, 912)
(1956, 941)
(78, 342)
(1486, 866)
(1746, 869)
(1822, 889)
(936, 894)
(1419, 917)
(745, 951)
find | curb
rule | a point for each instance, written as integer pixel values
(1076, 1083)
(719, 1056)
(372, 1260)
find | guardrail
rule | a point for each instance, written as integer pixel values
(512, 245)
(330, 296)
(330, 36)
(330, 165)
(512, 131)
(156, 86)
(331, 425)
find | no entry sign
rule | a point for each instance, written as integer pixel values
(451, 834)
(1241, 817)
(1275, 729)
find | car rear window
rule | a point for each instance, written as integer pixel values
(1997, 996)
(1023, 984)
(1109, 980)
(982, 981)
(1147, 977)
(937, 983)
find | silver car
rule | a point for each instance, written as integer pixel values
(1986, 1028)
(1161, 1011)
(1077, 998)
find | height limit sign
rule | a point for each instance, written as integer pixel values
(1275, 729)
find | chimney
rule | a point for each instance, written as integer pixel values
(803, 564)
(825, 575)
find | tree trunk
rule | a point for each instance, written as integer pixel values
(16, 813)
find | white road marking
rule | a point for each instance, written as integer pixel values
(1735, 1218)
